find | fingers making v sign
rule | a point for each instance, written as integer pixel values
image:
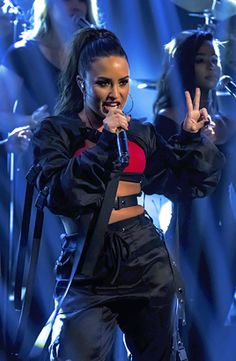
(195, 118)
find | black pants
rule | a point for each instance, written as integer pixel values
(136, 292)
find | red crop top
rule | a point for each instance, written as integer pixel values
(137, 161)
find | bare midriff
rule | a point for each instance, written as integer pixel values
(126, 189)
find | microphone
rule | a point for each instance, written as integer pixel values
(227, 82)
(123, 150)
(80, 22)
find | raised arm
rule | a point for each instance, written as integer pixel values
(189, 165)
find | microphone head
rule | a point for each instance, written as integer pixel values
(225, 80)
(80, 22)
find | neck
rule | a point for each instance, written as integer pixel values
(52, 41)
(52, 49)
(62, 32)
(205, 98)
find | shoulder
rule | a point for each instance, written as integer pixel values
(64, 123)
(18, 54)
(67, 131)
(167, 118)
(167, 113)
(66, 128)
(166, 124)
(22, 46)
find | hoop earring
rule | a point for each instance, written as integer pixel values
(132, 104)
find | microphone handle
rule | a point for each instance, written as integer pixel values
(122, 144)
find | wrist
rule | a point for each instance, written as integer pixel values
(108, 129)
(107, 139)
(186, 134)
(186, 129)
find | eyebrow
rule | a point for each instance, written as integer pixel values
(105, 78)
(203, 54)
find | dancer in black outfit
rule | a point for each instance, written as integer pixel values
(130, 283)
(202, 231)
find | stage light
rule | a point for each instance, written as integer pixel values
(165, 215)
(95, 10)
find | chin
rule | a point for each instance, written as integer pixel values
(211, 87)
(211, 84)
(207, 87)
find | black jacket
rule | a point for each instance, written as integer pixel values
(188, 165)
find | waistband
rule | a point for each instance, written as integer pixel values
(125, 223)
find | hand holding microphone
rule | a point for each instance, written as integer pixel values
(117, 122)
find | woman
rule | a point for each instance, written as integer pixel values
(29, 88)
(124, 275)
(201, 231)
(33, 64)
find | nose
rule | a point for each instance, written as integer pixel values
(114, 91)
(78, 6)
(211, 64)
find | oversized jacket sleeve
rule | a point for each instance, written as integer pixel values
(75, 182)
(187, 166)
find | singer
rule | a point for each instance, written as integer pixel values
(124, 276)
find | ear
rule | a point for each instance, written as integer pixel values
(81, 84)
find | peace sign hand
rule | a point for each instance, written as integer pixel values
(195, 118)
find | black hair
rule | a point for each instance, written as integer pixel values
(87, 45)
(178, 67)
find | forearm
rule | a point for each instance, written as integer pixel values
(189, 166)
